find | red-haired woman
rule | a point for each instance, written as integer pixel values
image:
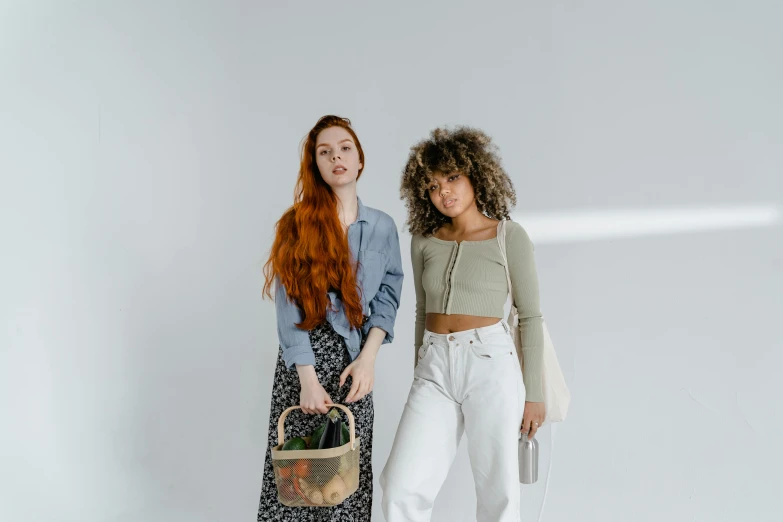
(336, 268)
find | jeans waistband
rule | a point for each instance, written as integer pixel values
(482, 334)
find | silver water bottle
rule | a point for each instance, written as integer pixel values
(528, 459)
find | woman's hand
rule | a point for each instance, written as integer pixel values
(362, 369)
(533, 418)
(313, 398)
(362, 372)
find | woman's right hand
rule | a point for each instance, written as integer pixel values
(313, 398)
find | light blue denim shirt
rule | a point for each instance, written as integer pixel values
(374, 236)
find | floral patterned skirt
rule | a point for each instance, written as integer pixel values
(331, 358)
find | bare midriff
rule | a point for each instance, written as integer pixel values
(450, 323)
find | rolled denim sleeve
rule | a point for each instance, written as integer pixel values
(383, 307)
(294, 341)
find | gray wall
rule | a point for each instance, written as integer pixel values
(147, 148)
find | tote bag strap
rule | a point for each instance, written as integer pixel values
(502, 244)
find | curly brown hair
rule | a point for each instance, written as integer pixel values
(464, 149)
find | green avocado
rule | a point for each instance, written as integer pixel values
(297, 443)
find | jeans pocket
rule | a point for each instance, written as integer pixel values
(424, 349)
(501, 351)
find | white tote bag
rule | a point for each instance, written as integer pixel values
(556, 394)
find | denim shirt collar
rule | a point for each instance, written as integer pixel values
(361, 215)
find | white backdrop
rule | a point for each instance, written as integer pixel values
(147, 148)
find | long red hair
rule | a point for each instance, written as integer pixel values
(310, 253)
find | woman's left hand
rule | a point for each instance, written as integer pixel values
(362, 372)
(533, 418)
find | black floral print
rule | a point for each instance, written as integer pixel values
(331, 358)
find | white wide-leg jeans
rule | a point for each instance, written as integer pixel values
(464, 381)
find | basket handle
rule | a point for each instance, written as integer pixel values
(281, 422)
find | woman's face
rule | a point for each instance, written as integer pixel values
(452, 193)
(337, 157)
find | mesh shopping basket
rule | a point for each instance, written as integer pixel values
(313, 477)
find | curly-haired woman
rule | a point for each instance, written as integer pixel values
(466, 376)
(336, 268)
